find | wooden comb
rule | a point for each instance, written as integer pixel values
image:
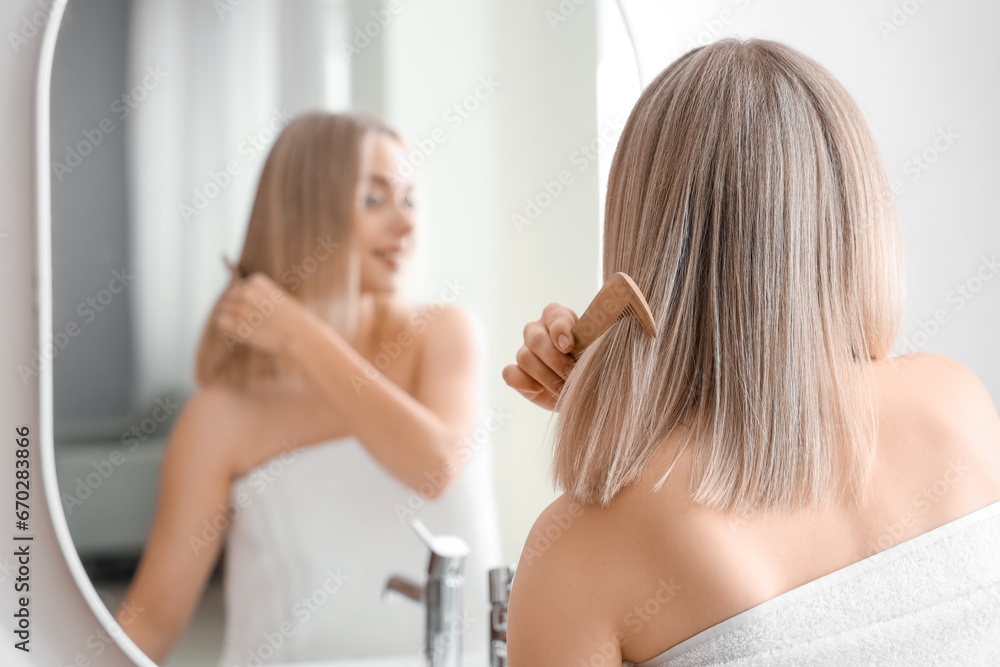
(617, 298)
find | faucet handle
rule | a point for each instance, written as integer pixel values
(405, 587)
(448, 552)
(421, 530)
(447, 546)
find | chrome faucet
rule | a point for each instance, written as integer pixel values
(500, 581)
(441, 595)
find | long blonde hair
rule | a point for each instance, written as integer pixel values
(300, 234)
(748, 201)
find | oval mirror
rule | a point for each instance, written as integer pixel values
(156, 118)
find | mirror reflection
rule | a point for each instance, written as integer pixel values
(275, 231)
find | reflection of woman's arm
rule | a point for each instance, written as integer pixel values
(418, 439)
(194, 491)
(415, 438)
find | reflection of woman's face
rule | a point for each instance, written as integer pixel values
(385, 214)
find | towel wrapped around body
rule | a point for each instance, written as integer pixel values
(931, 600)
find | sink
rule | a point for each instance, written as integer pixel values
(417, 660)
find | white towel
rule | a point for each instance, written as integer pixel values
(932, 600)
(316, 539)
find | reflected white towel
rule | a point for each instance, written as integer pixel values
(932, 600)
(309, 553)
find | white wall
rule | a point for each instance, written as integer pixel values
(916, 68)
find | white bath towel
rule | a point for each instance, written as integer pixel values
(931, 600)
(315, 540)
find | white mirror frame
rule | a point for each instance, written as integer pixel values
(43, 223)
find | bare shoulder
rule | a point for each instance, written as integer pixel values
(448, 319)
(944, 391)
(211, 405)
(448, 332)
(445, 323)
(940, 410)
(945, 373)
(558, 530)
(561, 603)
(205, 426)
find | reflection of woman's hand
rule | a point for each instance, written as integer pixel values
(543, 362)
(255, 311)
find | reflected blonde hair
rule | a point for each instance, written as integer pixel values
(748, 201)
(305, 202)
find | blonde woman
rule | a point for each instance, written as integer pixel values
(329, 413)
(762, 484)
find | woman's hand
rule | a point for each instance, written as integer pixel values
(543, 362)
(257, 312)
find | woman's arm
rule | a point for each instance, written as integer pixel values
(418, 438)
(415, 438)
(556, 614)
(183, 546)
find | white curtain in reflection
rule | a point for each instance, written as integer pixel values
(212, 86)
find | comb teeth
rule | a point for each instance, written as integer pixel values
(617, 298)
(629, 310)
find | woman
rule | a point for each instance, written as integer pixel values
(329, 413)
(765, 439)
